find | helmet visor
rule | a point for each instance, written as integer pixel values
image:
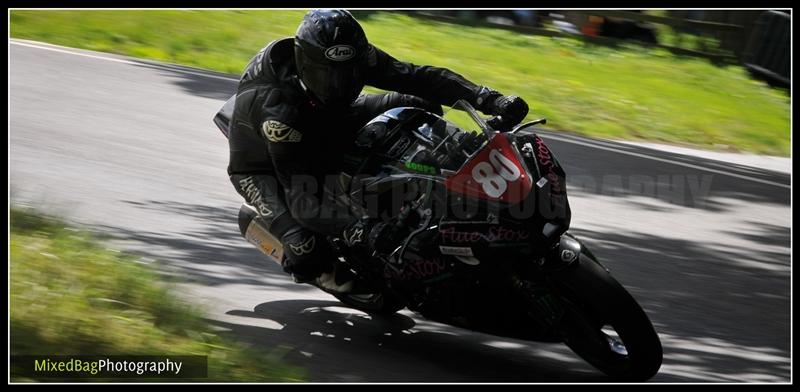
(333, 86)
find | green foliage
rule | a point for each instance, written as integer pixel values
(629, 93)
(71, 296)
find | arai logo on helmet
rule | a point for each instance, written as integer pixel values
(340, 52)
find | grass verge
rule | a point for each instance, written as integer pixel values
(626, 93)
(71, 296)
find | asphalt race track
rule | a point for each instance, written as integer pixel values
(128, 147)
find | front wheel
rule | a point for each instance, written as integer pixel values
(605, 325)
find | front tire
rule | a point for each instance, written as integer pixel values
(605, 325)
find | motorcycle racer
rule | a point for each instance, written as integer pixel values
(282, 147)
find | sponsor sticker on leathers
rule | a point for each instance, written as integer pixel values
(276, 131)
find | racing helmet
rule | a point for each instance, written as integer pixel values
(330, 51)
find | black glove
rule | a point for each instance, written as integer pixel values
(306, 254)
(509, 109)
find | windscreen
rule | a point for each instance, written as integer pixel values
(450, 141)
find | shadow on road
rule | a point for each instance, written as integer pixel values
(723, 313)
(197, 81)
(595, 171)
(338, 344)
(211, 252)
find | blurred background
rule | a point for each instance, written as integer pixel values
(715, 79)
(673, 126)
(757, 39)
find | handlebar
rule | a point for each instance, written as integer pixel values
(497, 123)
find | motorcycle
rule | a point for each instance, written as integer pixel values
(487, 248)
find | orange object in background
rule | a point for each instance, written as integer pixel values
(593, 26)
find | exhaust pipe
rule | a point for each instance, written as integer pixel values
(256, 233)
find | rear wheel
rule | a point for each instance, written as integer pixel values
(605, 325)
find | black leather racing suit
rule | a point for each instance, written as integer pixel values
(282, 146)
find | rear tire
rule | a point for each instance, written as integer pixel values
(597, 309)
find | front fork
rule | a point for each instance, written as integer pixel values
(564, 254)
(548, 306)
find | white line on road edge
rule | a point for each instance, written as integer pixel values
(743, 168)
(567, 140)
(563, 139)
(31, 45)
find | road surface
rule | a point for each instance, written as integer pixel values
(128, 147)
